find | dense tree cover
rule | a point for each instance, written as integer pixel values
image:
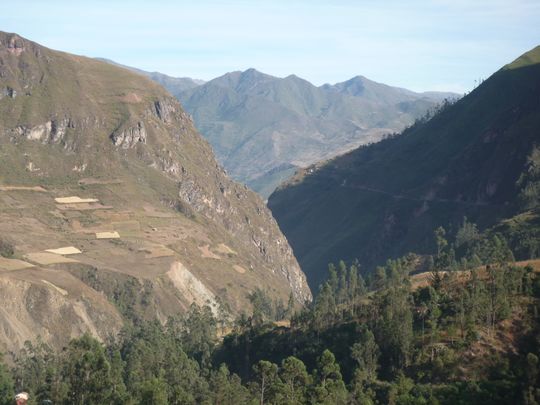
(464, 331)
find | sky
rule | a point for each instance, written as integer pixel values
(445, 45)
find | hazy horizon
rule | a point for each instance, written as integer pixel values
(421, 46)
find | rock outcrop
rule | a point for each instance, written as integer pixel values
(83, 127)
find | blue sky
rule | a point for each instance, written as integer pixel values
(420, 45)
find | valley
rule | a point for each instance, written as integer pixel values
(254, 238)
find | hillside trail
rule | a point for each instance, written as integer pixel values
(422, 200)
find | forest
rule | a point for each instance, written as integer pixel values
(460, 326)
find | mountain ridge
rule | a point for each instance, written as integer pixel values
(258, 123)
(104, 160)
(465, 161)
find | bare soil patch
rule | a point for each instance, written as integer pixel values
(75, 200)
(46, 258)
(13, 264)
(224, 249)
(68, 250)
(107, 235)
(83, 207)
(154, 251)
(207, 253)
(239, 269)
(23, 188)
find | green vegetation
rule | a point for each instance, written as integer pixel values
(261, 126)
(465, 330)
(6, 248)
(477, 157)
(75, 127)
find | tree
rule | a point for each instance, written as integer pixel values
(342, 292)
(379, 280)
(6, 384)
(440, 240)
(199, 333)
(394, 329)
(119, 393)
(263, 310)
(153, 392)
(333, 280)
(531, 372)
(330, 388)
(267, 380)
(88, 372)
(295, 379)
(434, 313)
(227, 387)
(467, 234)
(324, 307)
(366, 353)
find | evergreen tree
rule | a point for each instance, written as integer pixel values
(295, 380)
(366, 353)
(333, 280)
(266, 374)
(227, 388)
(119, 393)
(153, 392)
(6, 384)
(330, 388)
(87, 372)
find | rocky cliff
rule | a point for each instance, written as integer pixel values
(176, 224)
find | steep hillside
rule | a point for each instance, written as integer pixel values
(386, 199)
(103, 160)
(175, 85)
(263, 127)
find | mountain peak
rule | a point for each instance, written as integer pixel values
(253, 74)
(72, 125)
(529, 58)
(11, 42)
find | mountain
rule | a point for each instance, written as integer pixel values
(263, 128)
(386, 199)
(97, 159)
(175, 85)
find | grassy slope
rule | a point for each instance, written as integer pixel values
(386, 199)
(256, 122)
(166, 191)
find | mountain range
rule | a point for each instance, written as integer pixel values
(175, 85)
(475, 158)
(262, 128)
(113, 208)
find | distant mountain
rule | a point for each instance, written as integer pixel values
(175, 85)
(477, 158)
(359, 86)
(104, 165)
(262, 127)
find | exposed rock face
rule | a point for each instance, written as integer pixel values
(37, 307)
(164, 110)
(130, 137)
(82, 127)
(48, 132)
(246, 226)
(7, 92)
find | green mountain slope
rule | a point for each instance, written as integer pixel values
(386, 199)
(262, 126)
(161, 226)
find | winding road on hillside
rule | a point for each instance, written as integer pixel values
(410, 198)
